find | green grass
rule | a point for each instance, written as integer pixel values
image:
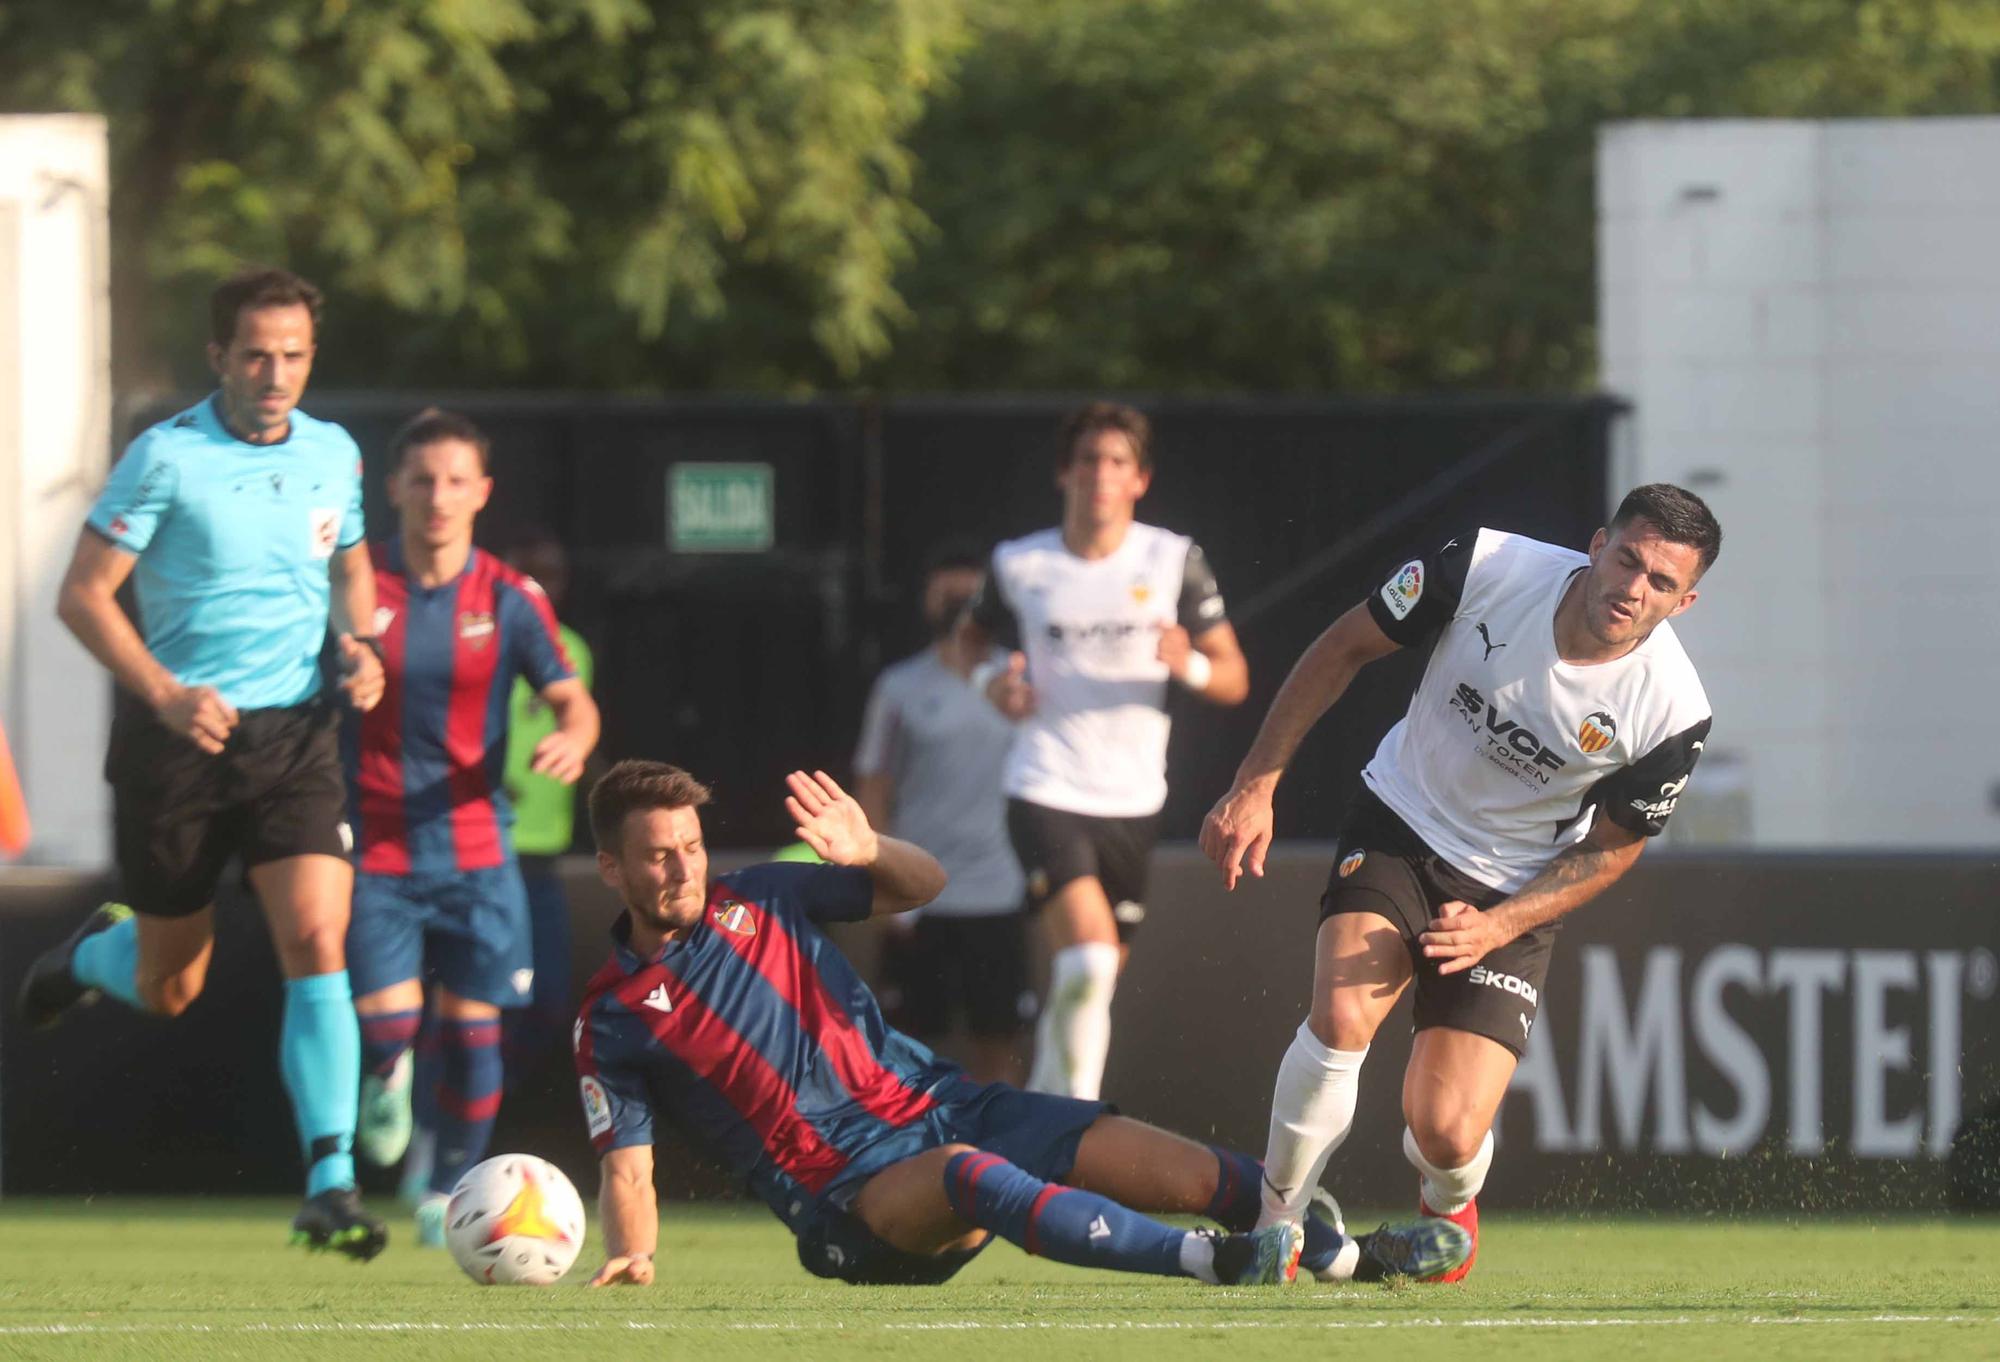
(211, 1280)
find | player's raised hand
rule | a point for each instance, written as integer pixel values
(199, 714)
(361, 673)
(1236, 835)
(559, 756)
(636, 1271)
(1010, 692)
(830, 820)
(1461, 936)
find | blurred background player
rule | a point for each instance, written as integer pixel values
(1556, 724)
(439, 893)
(928, 769)
(240, 521)
(1101, 611)
(544, 827)
(544, 817)
(725, 1009)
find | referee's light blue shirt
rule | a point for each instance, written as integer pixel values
(233, 541)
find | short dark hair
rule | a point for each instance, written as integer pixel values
(638, 786)
(433, 424)
(261, 287)
(955, 554)
(1679, 515)
(1095, 417)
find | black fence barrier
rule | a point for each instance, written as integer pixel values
(743, 666)
(1720, 1034)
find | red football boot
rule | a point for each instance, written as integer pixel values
(1467, 1220)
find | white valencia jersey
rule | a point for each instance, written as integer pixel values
(1508, 754)
(1097, 741)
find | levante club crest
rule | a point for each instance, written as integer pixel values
(734, 917)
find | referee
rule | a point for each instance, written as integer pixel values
(240, 521)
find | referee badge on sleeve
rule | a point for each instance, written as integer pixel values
(325, 532)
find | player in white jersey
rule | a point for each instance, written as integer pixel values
(927, 768)
(1099, 613)
(1554, 729)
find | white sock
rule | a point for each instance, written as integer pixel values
(1447, 1191)
(1074, 1033)
(1341, 1269)
(1198, 1258)
(1312, 1109)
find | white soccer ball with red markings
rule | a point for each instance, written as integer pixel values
(514, 1220)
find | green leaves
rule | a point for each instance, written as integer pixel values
(1313, 194)
(781, 195)
(505, 185)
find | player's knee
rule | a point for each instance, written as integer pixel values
(1447, 1139)
(1341, 1023)
(313, 947)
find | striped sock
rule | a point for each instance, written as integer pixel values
(468, 1096)
(384, 1038)
(1237, 1201)
(1063, 1223)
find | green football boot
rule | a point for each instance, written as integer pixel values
(383, 1132)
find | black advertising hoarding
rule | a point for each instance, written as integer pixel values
(1717, 1033)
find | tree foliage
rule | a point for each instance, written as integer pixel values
(602, 193)
(1343, 194)
(1364, 195)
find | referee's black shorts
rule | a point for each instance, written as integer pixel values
(1384, 868)
(179, 814)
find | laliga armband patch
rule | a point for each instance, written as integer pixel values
(596, 1106)
(1402, 591)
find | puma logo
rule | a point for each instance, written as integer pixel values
(1487, 639)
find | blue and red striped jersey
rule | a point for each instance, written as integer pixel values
(424, 766)
(755, 1037)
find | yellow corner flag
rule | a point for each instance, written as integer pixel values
(13, 805)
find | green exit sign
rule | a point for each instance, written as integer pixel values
(721, 507)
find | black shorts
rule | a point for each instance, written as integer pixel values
(1386, 869)
(974, 966)
(838, 1246)
(1056, 847)
(179, 814)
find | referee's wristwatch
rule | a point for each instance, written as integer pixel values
(373, 644)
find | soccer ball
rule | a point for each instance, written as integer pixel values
(514, 1220)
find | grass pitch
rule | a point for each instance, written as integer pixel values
(211, 1279)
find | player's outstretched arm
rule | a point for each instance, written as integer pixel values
(1461, 936)
(630, 1214)
(1236, 835)
(831, 822)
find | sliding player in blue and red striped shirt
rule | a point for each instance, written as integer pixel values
(439, 895)
(725, 1009)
